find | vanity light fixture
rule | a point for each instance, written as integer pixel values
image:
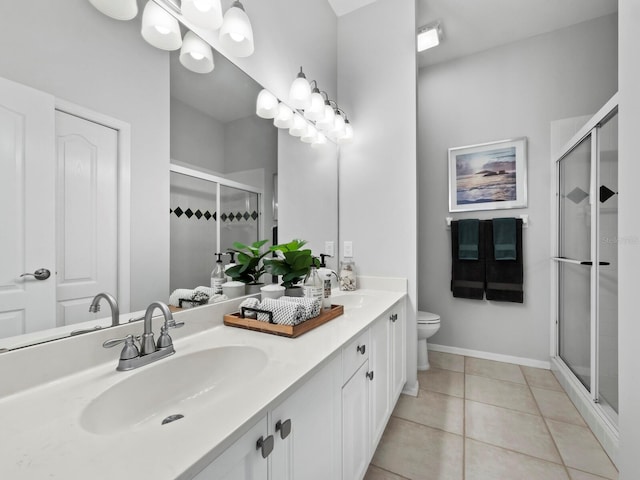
(203, 13)
(321, 140)
(299, 126)
(266, 104)
(339, 127)
(118, 9)
(348, 133)
(429, 36)
(300, 92)
(236, 34)
(159, 28)
(326, 122)
(315, 111)
(196, 54)
(284, 117)
(310, 135)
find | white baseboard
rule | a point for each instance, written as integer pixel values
(527, 362)
(411, 389)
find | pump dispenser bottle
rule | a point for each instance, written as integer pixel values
(313, 286)
(326, 275)
(232, 263)
(217, 275)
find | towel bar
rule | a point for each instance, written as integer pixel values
(525, 221)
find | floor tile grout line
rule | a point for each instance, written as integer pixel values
(389, 471)
(428, 426)
(561, 464)
(546, 426)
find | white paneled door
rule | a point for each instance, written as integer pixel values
(59, 194)
(27, 189)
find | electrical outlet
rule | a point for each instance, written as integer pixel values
(329, 248)
(347, 252)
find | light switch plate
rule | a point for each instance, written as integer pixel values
(348, 249)
(329, 248)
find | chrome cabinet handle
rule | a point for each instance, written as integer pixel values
(361, 349)
(40, 274)
(284, 428)
(265, 445)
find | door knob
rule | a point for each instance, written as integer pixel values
(40, 274)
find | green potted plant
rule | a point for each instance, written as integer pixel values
(292, 263)
(250, 266)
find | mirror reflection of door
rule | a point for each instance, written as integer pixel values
(59, 186)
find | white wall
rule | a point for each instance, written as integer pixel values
(377, 88)
(516, 90)
(74, 52)
(629, 244)
(196, 138)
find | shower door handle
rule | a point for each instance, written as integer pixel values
(587, 263)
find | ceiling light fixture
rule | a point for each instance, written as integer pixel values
(236, 34)
(429, 36)
(203, 13)
(196, 54)
(159, 28)
(118, 9)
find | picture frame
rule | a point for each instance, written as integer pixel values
(488, 176)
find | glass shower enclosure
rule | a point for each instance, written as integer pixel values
(586, 265)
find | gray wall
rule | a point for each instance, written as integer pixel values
(515, 90)
(377, 89)
(72, 51)
(629, 246)
(196, 138)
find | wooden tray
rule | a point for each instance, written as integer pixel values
(291, 331)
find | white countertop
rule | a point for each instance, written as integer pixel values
(43, 436)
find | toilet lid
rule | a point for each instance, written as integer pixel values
(428, 317)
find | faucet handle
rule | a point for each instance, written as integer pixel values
(129, 351)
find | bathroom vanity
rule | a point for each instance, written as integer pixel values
(229, 404)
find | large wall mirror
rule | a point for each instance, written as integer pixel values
(91, 81)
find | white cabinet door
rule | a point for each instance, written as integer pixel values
(398, 351)
(356, 439)
(27, 190)
(306, 427)
(243, 460)
(380, 377)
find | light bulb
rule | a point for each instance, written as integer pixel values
(284, 117)
(326, 123)
(320, 140)
(159, 28)
(310, 135)
(299, 126)
(203, 13)
(196, 54)
(300, 92)
(236, 34)
(266, 104)
(315, 111)
(118, 9)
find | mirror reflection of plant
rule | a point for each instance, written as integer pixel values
(250, 266)
(292, 263)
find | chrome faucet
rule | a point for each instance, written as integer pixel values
(133, 357)
(95, 308)
(113, 303)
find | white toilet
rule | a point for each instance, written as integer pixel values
(428, 324)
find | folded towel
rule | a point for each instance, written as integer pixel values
(505, 278)
(218, 297)
(250, 303)
(180, 294)
(284, 313)
(311, 306)
(467, 276)
(207, 290)
(504, 238)
(468, 237)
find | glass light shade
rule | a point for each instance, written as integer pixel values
(339, 127)
(320, 140)
(300, 92)
(203, 13)
(266, 104)
(284, 117)
(327, 122)
(348, 134)
(428, 38)
(196, 54)
(299, 126)
(236, 34)
(315, 111)
(118, 9)
(310, 135)
(159, 28)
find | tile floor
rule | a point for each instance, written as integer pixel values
(478, 419)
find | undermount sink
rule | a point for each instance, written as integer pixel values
(352, 300)
(173, 386)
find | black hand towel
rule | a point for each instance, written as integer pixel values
(467, 276)
(504, 277)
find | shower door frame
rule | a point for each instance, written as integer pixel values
(602, 421)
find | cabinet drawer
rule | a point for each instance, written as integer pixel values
(354, 355)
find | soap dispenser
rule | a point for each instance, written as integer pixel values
(217, 275)
(313, 286)
(326, 275)
(232, 263)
